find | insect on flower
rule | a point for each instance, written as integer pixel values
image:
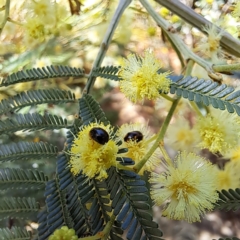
(137, 138)
(133, 136)
(94, 151)
(99, 135)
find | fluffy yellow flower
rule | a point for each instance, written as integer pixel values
(219, 131)
(181, 137)
(236, 11)
(229, 176)
(35, 29)
(234, 154)
(93, 151)
(152, 31)
(230, 24)
(64, 233)
(211, 46)
(175, 18)
(43, 8)
(136, 138)
(164, 12)
(23, 86)
(188, 185)
(140, 78)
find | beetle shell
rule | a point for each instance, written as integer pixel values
(133, 136)
(99, 135)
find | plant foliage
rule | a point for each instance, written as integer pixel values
(120, 205)
(14, 233)
(229, 200)
(83, 204)
(203, 91)
(32, 122)
(42, 73)
(18, 207)
(34, 97)
(108, 72)
(208, 93)
(26, 150)
(20, 178)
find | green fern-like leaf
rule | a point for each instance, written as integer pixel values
(208, 93)
(19, 178)
(34, 97)
(32, 122)
(229, 200)
(26, 150)
(18, 207)
(100, 209)
(130, 203)
(56, 213)
(90, 111)
(66, 198)
(42, 73)
(108, 72)
(15, 233)
(79, 193)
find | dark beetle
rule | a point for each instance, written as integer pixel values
(99, 135)
(133, 136)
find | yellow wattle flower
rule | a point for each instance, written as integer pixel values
(234, 154)
(219, 131)
(210, 46)
(93, 151)
(140, 78)
(35, 29)
(164, 12)
(180, 136)
(236, 10)
(136, 137)
(188, 186)
(229, 176)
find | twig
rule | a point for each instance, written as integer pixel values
(222, 68)
(229, 43)
(179, 44)
(123, 4)
(160, 136)
(6, 15)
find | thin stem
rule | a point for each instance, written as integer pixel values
(104, 233)
(108, 227)
(160, 136)
(151, 139)
(189, 68)
(196, 108)
(167, 97)
(13, 21)
(226, 68)
(123, 4)
(121, 167)
(188, 73)
(95, 237)
(228, 42)
(165, 154)
(179, 44)
(5, 18)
